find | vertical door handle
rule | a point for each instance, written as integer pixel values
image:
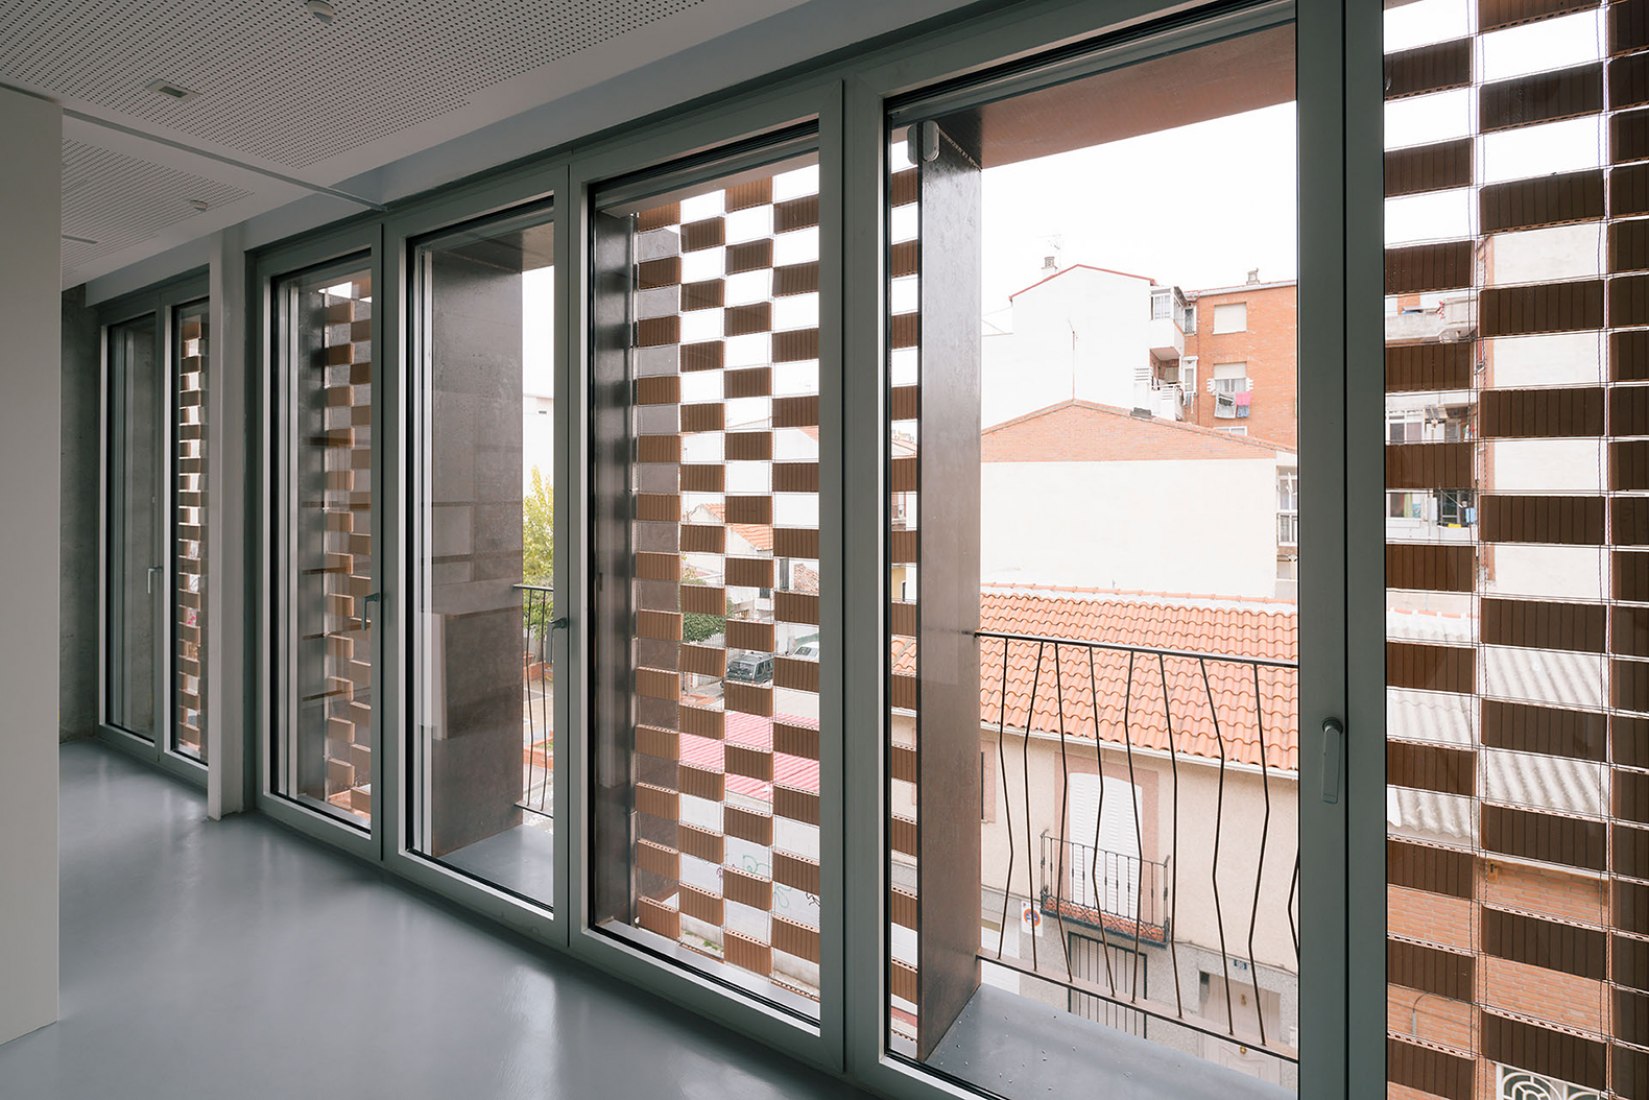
(366, 609)
(1334, 738)
(149, 579)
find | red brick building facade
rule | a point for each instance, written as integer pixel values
(1259, 335)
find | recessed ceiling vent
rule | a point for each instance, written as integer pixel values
(170, 90)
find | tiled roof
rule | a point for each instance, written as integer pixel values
(751, 731)
(1227, 628)
(1082, 431)
(756, 535)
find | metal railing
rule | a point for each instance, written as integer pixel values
(1175, 705)
(538, 699)
(1116, 891)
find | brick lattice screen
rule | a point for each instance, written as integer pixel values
(726, 577)
(1516, 646)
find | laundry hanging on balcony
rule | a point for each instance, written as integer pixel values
(1243, 398)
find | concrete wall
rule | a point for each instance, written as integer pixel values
(31, 131)
(473, 625)
(77, 602)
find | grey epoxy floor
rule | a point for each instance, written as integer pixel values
(521, 859)
(234, 960)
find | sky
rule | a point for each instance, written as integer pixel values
(1196, 206)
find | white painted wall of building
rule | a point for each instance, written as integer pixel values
(1558, 359)
(1545, 466)
(1547, 572)
(31, 131)
(1544, 255)
(1082, 335)
(1204, 527)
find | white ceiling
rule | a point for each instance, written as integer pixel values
(285, 100)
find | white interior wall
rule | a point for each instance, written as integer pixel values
(31, 132)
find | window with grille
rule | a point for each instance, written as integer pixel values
(708, 530)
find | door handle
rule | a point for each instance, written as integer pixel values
(149, 579)
(1334, 738)
(366, 609)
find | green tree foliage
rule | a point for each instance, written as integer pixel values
(696, 626)
(538, 550)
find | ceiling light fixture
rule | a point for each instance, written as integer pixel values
(170, 90)
(199, 204)
(320, 11)
(77, 240)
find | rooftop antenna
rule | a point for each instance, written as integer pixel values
(1055, 243)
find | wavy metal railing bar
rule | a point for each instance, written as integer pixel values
(1219, 819)
(1060, 851)
(537, 620)
(1099, 816)
(1002, 761)
(1025, 775)
(1133, 782)
(1173, 847)
(1265, 838)
(1064, 797)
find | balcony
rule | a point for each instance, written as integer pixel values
(1165, 335)
(1108, 891)
(520, 858)
(1453, 320)
(1167, 400)
(1137, 856)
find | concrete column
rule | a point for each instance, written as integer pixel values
(79, 630)
(228, 434)
(31, 132)
(475, 774)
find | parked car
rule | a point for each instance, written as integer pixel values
(807, 650)
(750, 669)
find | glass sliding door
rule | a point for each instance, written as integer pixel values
(135, 528)
(1093, 454)
(190, 358)
(324, 530)
(707, 533)
(483, 747)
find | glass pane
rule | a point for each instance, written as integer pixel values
(486, 549)
(708, 533)
(1516, 602)
(189, 533)
(136, 524)
(1093, 553)
(330, 573)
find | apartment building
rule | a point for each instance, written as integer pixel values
(1241, 346)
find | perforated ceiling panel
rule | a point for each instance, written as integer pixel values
(115, 200)
(276, 84)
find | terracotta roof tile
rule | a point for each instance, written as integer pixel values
(1209, 718)
(751, 731)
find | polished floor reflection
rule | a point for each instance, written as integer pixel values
(188, 971)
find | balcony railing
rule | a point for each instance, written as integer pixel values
(538, 699)
(1114, 891)
(1116, 711)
